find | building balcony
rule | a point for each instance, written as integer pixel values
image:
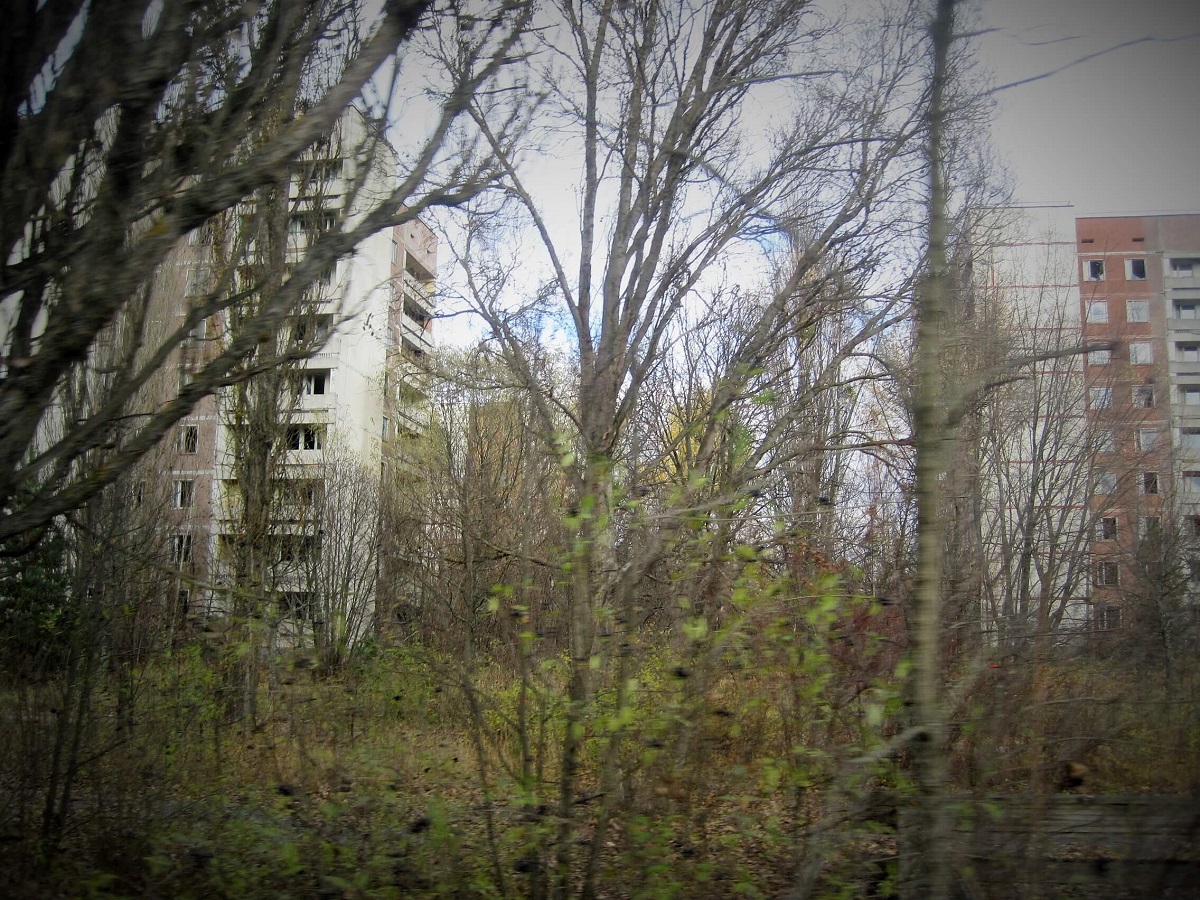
(300, 458)
(420, 291)
(316, 403)
(412, 379)
(1185, 369)
(1173, 281)
(1188, 413)
(419, 337)
(413, 419)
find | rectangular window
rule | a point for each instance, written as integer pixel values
(387, 428)
(181, 548)
(1108, 574)
(1149, 482)
(1137, 310)
(1186, 310)
(298, 605)
(1190, 395)
(199, 280)
(1135, 269)
(316, 382)
(1147, 438)
(1108, 618)
(1189, 438)
(1149, 526)
(312, 330)
(312, 223)
(1143, 396)
(305, 437)
(1099, 357)
(185, 493)
(297, 548)
(1195, 526)
(1184, 267)
(1106, 483)
(1105, 442)
(1187, 352)
(1141, 353)
(1097, 312)
(325, 170)
(1093, 270)
(1106, 529)
(1191, 482)
(1099, 397)
(299, 492)
(189, 438)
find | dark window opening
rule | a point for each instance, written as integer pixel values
(305, 437)
(185, 494)
(315, 383)
(181, 548)
(298, 605)
(1107, 574)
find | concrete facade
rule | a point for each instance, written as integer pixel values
(357, 397)
(1139, 292)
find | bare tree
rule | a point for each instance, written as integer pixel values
(106, 177)
(673, 179)
(487, 506)
(341, 497)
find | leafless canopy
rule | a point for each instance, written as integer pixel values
(125, 129)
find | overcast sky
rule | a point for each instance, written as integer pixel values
(1119, 133)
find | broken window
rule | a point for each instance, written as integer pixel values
(181, 548)
(305, 437)
(185, 493)
(316, 382)
(1135, 269)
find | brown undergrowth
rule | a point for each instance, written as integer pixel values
(735, 775)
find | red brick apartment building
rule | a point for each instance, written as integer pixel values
(1139, 289)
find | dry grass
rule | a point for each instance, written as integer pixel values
(370, 785)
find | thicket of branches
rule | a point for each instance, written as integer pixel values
(715, 530)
